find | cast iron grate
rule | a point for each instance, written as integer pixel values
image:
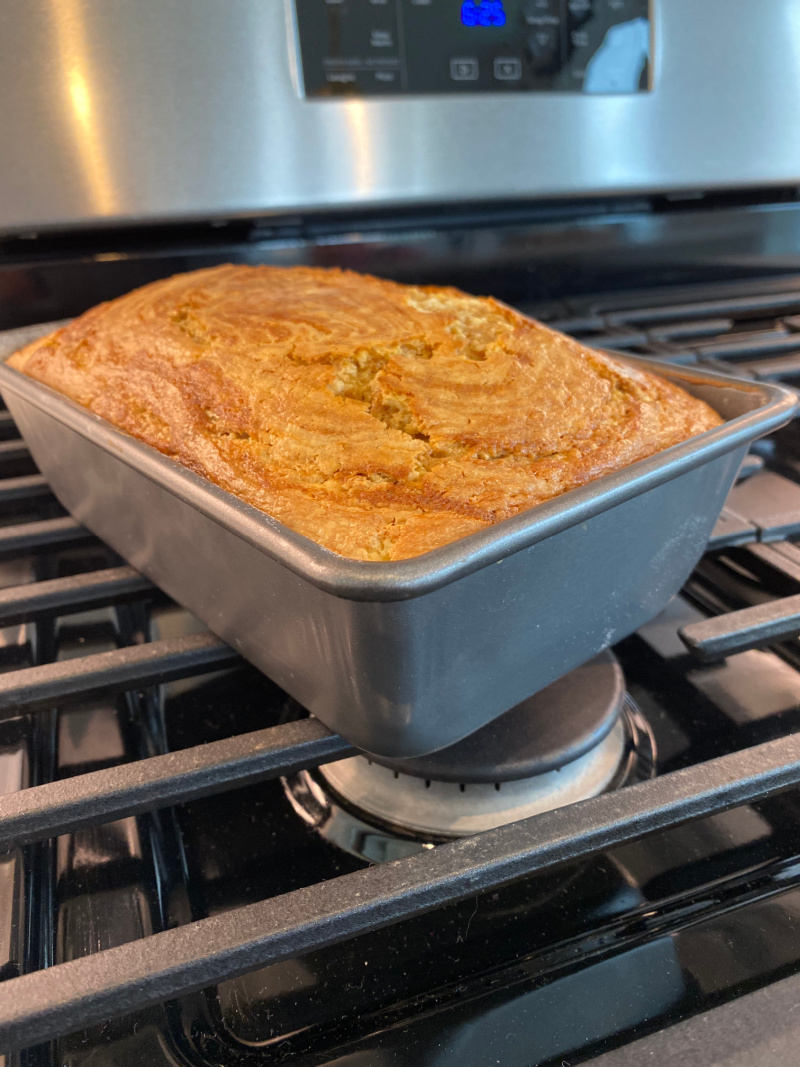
(738, 324)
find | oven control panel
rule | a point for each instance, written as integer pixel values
(379, 47)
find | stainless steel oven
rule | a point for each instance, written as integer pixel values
(119, 112)
(196, 871)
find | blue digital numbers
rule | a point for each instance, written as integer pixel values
(483, 13)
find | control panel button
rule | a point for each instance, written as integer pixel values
(464, 69)
(580, 9)
(541, 12)
(381, 39)
(543, 43)
(507, 69)
(536, 9)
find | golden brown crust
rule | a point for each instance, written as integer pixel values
(378, 419)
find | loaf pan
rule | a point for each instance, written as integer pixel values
(405, 658)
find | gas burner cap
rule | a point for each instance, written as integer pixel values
(548, 730)
(379, 814)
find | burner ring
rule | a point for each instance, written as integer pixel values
(450, 809)
(626, 755)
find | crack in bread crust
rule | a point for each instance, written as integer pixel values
(380, 420)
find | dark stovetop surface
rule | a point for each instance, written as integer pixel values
(555, 968)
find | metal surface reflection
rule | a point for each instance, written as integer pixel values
(73, 50)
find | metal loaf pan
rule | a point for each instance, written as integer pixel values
(408, 657)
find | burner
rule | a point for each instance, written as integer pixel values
(525, 763)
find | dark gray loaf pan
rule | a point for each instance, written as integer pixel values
(405, 658)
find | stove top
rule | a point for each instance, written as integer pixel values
(171, 787)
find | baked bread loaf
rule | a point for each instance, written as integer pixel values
(380, 420)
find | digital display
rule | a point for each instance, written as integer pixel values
(483, 13)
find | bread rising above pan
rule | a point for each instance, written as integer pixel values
(378, 419)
